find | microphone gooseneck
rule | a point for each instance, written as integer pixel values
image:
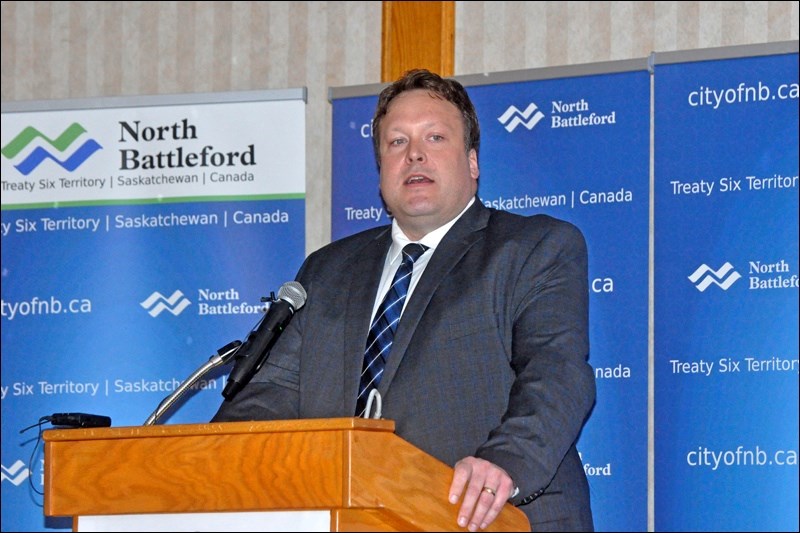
(223, 356)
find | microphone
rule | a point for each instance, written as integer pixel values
(254, 352)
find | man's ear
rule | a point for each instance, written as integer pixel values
(474, 170)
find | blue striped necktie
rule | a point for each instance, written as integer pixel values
(381, 332)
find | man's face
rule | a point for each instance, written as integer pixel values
(427, 178)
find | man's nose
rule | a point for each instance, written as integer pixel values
(416, 152)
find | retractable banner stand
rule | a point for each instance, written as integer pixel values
(139, 236)
(726, 293)
(573, 144)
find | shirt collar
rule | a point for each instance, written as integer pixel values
(431, 240)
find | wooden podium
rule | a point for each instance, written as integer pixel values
(358, 470)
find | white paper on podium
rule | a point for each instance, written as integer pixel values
(234, 521)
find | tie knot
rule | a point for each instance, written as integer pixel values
(414, 251)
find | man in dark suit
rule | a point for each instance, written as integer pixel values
(487, 370)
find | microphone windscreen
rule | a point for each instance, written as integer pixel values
(294, 293)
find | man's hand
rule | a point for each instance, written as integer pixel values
(485, 488)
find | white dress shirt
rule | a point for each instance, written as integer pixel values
(394, 257)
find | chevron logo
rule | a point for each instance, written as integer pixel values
(16, 474)
(513, 117)
(705, 276)
(156, 303)
(68, 138)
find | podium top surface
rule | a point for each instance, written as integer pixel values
(219, 428)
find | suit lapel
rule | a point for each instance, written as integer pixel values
(461, 237)
(364, 278)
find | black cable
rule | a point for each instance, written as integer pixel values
(41, 421)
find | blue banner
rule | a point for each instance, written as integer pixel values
(576, 148)
(726, 295)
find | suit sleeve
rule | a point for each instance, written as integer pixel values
(554, 389)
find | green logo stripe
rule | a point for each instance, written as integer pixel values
(149, 201)
(30, 133)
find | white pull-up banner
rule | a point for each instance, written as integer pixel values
(139, 235)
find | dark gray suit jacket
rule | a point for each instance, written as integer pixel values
(489, 359)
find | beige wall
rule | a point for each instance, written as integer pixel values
(501, 36)
(54, 50)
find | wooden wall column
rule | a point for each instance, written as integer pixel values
(417, 35)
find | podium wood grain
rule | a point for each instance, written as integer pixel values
(368, 477)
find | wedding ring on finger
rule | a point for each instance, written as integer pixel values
(489, 490)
